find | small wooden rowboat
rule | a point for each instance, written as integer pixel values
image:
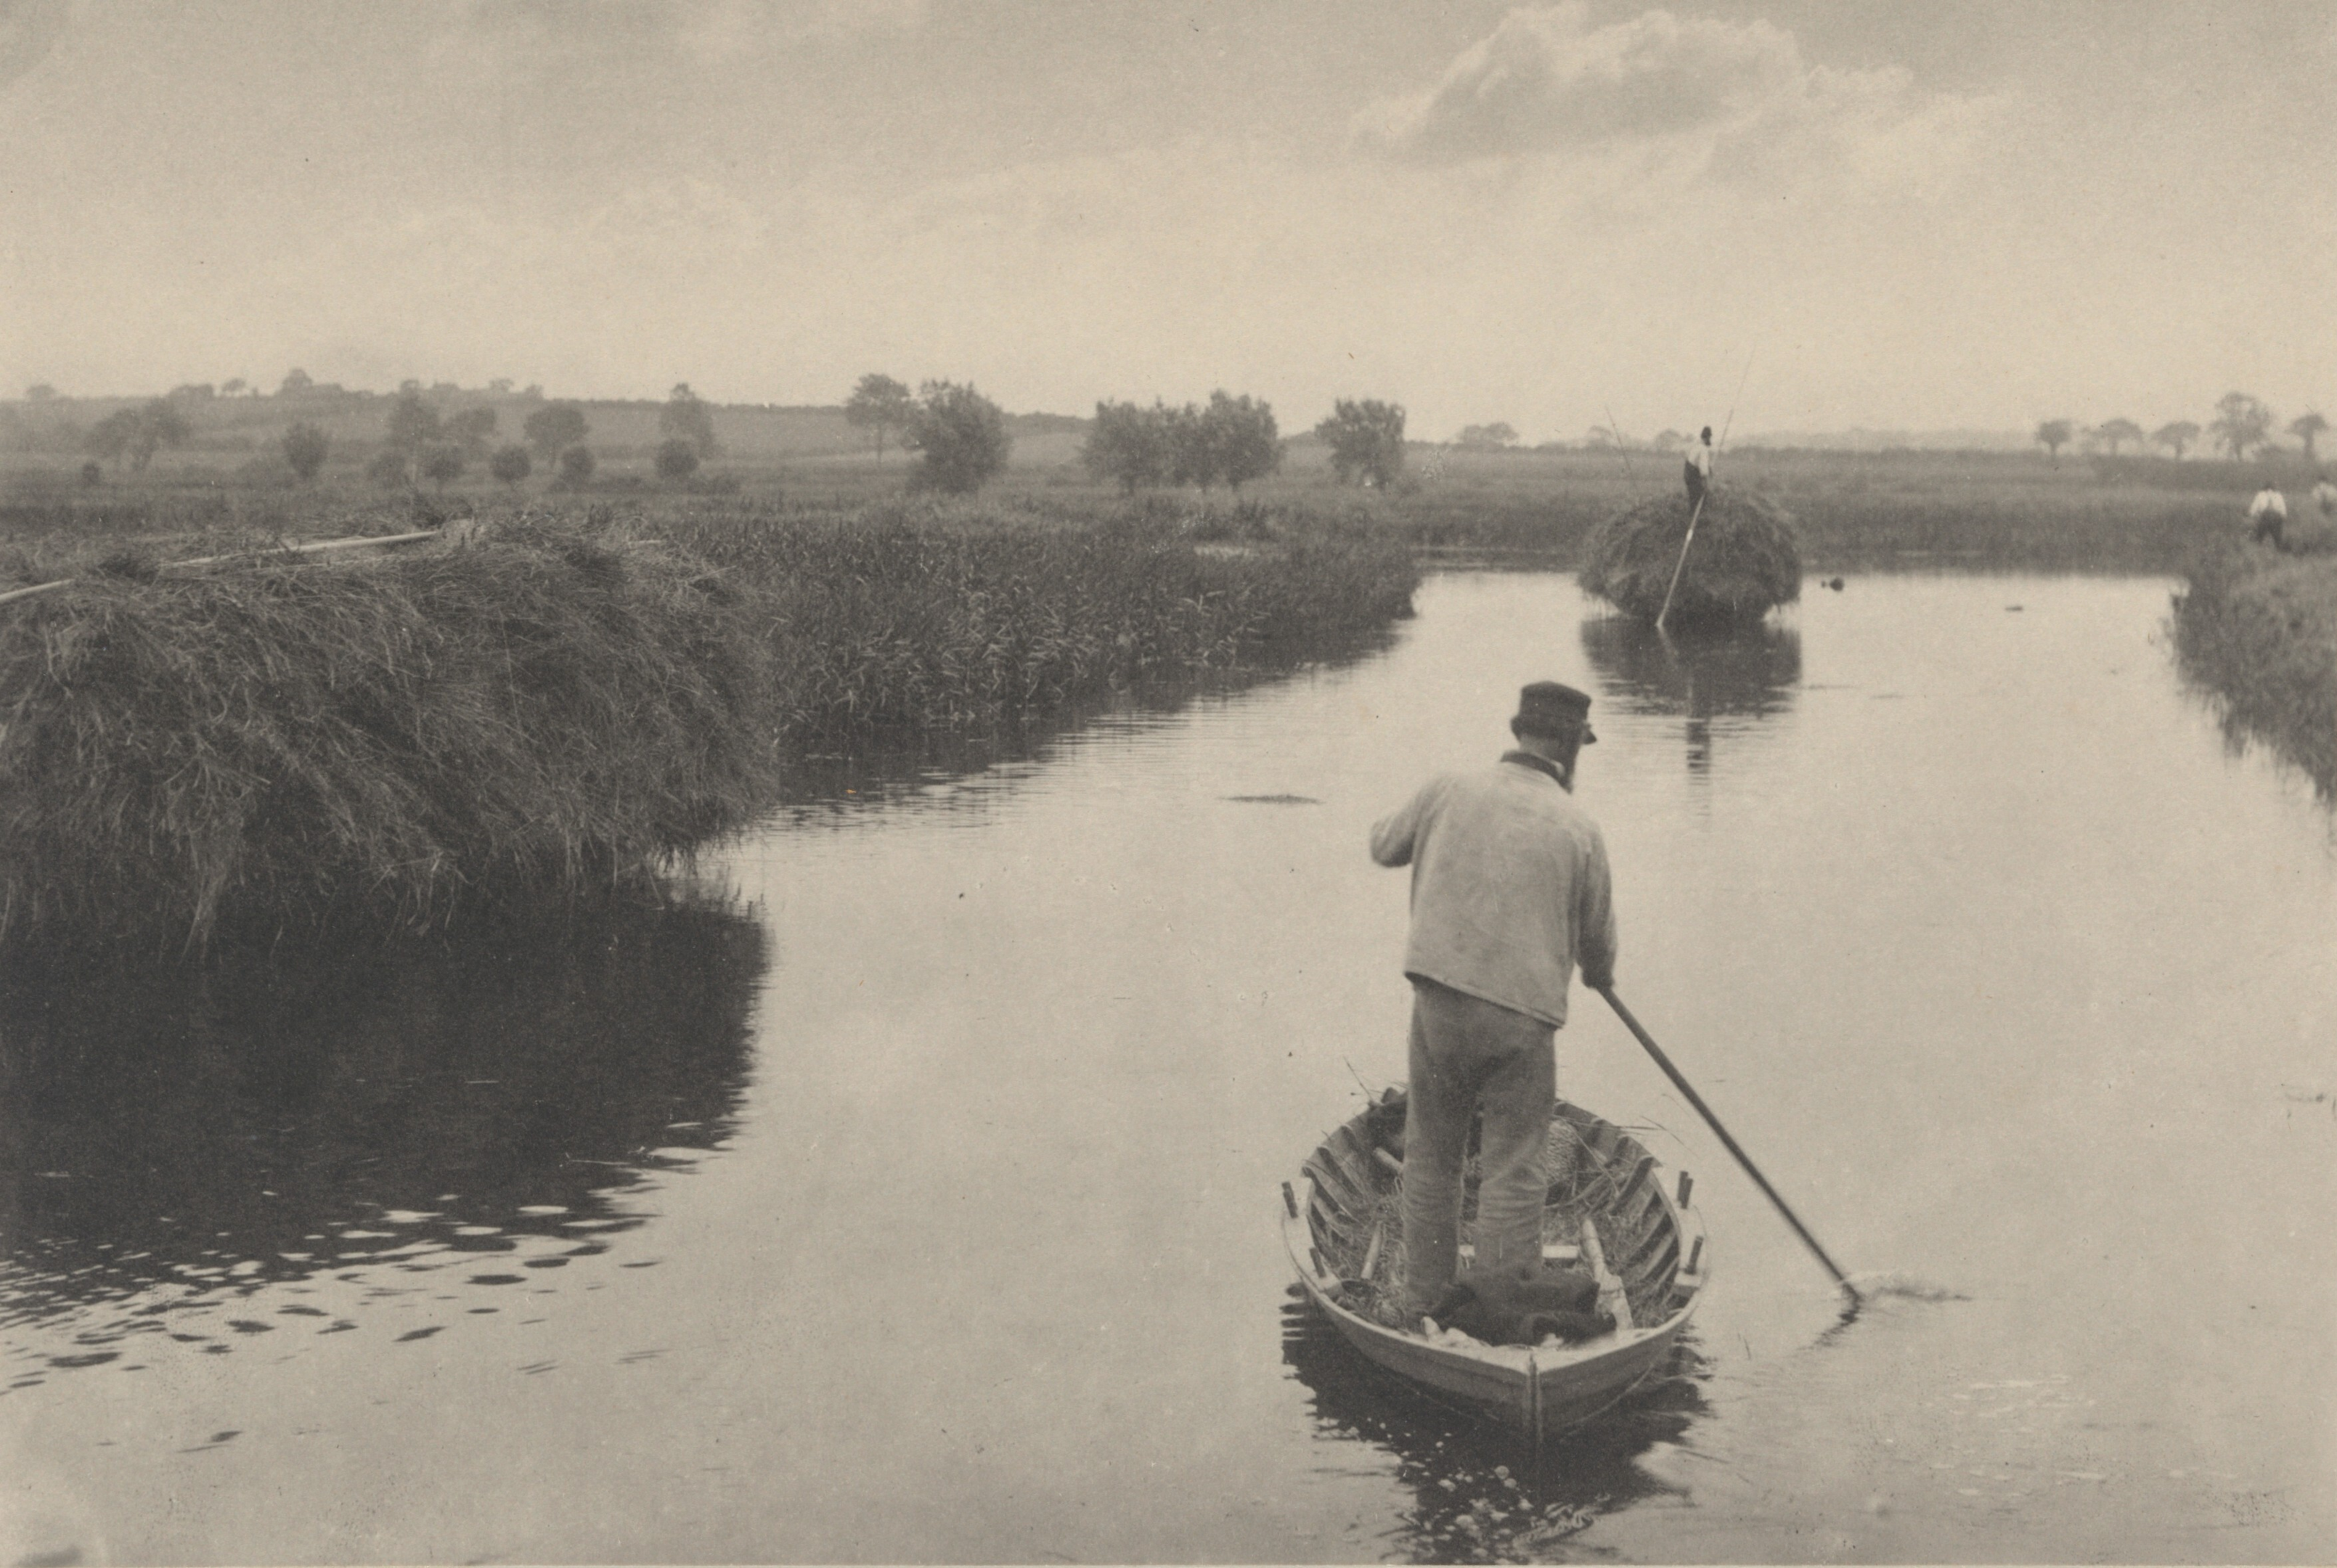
(1612, 1208)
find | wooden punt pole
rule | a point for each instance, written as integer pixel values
(1743, 1159)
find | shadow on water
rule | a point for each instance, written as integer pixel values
(181, 1147)
(1698, 674)
(1480, 1492)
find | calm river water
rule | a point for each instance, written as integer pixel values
(911, 1195)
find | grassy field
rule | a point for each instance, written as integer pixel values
(1898, 510)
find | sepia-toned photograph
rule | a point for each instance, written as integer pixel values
(1101, 781)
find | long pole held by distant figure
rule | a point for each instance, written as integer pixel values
(1681, 565)
(1616, 431)
(1725, 425)
(1742, 1159)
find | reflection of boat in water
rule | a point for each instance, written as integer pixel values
(1746, 672)
(1702, 673)
(177, 1138)
(1611, 1205)
(1476, 1497)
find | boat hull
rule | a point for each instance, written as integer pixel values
(1536, 1391)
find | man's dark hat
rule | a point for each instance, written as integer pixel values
(1546, 707)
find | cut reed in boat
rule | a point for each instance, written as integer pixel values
(1744, 561)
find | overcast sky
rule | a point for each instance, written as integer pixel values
(1910, 216)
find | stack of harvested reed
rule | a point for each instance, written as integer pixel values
(545, 710)
(1745, 560)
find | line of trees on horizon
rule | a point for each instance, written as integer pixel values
(2244, 427)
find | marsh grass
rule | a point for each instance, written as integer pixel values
(903, 616)
(2258, 629)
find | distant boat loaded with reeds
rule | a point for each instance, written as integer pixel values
(1743, 562)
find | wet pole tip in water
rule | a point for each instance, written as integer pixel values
(1853, 1299)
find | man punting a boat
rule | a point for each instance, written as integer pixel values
(1509, 892)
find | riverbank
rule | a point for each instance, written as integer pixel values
(555, 704)
(2258, 629)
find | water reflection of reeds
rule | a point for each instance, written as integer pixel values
(1483, 1494)
(174, 1142)
(1696, 674)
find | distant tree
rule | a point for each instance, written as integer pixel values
(306, 448)
(389, 469)
(194, 392)
(676, 459)
(2307, 428)
(472, 429)
(2115, 432)
(576, 464)
(961, 434)
(1191, 459)
(2241, 424)
(296, 382)
(1366, 441)
(1233, 440)
(1498, 433)
(410, 388)
(685, 417)
(1241, 438)
(39, 392)
(1668, 441)
(442, 464)
(1128, 445)
(510, 464)
(554, 428)
(2053, 435)
(1598, 435)
(413, 423)
(234, 386)
(500, 386)
(2176, 437)
(882, 403)
(132, 436)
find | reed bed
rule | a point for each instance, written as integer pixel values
(2258, 629)
(543, 710)
(1743, 560)
(901, 618)
(556, 706)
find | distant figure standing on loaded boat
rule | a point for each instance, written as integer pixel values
(1696, 471)
(2269, 512)
(1510, 891)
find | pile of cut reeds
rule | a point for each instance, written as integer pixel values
(542, 710)
(1744, 561)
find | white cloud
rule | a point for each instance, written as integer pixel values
(1663, 99)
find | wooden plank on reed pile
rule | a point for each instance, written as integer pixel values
(320, 547)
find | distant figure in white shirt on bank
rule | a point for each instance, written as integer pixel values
(2326, 494)
(1696, 473)
(2269, 512)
